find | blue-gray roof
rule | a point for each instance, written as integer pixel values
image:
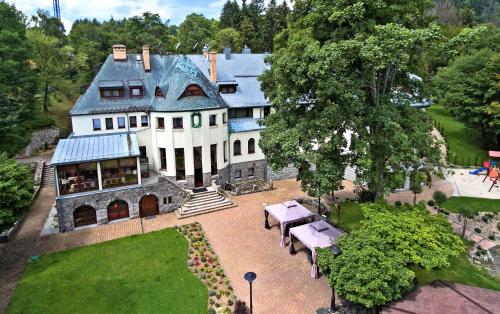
(171, 73)
(111, 83)
(97, 147)
(244, 125)
(244, 69)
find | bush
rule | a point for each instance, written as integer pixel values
(477, 230)
(363, 195)
(398, 203)
(211, 311)
(485, 218)
(491, 237)
(16, 191)
(240, 307)
(490, 215)
(430, 202)
(439, 197)
(498, 225)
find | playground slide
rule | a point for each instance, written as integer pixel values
(478, 171)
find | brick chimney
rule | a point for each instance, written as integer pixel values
(145, 58)
(119, 52)
(213, 66)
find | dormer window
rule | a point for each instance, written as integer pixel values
(158, 92)
(136, 88)
(227, 88)
(193, 90)
(111, 89)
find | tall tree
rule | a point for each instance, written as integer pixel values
(149, 29)
(230, 15)
(50, 25)
(196, 30)
(248, 34)
(470, 87)
(359, 71)
(17, 80)
(270, 25)
(49, 62)
(228, 37)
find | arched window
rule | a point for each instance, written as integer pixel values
(251, 146)
(193, 90)
(158, 92)
(237, 148)
(117, 210)
(84, 215)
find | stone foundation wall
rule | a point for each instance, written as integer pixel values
(289, 172)
(132, 195)
(259, 170)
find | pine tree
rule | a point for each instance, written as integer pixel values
(247, 32)
(230, 16)
(270, 25)
(17, 81)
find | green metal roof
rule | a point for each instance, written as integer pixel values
(97, 147)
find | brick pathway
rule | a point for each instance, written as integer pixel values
(237, 235)
(16, 253)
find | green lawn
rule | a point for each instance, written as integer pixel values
(140, 274)
(460, 271)
(462, 142)
(350, 216)
(481, 204)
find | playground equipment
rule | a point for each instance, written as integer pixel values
(478, 171)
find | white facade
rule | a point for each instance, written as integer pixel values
(155, 136)
(245, 156)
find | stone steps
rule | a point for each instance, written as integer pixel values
(47, 176)
(204, 202)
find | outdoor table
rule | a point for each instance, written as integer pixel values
(287, 213)
(313, 235)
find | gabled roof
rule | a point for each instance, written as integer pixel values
(244, 69)
(97, 147)
(171, 73)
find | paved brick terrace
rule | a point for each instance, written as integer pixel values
(237, 235)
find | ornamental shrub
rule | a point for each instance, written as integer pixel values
(439, 197)
(477, 230)
(16, 191)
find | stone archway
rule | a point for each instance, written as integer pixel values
(84, 215)
(117, 209)
(148, 206)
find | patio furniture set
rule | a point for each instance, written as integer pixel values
(299, 223)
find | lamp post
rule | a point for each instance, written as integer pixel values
(250, 277)
(335, 251)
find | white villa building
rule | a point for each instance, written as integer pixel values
(151, 129)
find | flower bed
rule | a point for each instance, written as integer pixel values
(203, 261)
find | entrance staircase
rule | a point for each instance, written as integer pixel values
(204, 202)
(47, 176)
